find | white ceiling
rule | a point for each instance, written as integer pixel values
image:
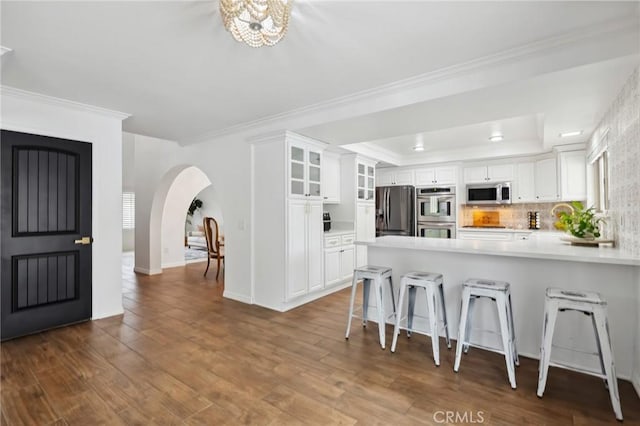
(173, 67)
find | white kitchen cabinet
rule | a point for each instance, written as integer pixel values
(347, 262)
(365, 230)
(546, 180)
(366, 181)
(331, 178)
(436, 176)
(332, 266)
(288, 229)
(393, 176)
(573, 175)
(305, 170)
(524, 183)
(305, 235)
(338, 259)
(488, 173)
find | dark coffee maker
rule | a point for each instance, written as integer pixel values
(326, 219)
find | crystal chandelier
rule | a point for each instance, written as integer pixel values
(256, 22)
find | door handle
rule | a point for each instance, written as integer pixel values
(84, 241)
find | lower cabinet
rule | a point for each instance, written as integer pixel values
(339, 259)
(304, 246)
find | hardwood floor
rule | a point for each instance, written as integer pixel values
(181, 354)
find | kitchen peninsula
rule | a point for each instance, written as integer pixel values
(530, 266)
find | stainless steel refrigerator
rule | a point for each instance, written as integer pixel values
(395, 210)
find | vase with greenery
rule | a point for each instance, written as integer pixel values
(579, 222)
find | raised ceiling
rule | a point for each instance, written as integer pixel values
(172, 66)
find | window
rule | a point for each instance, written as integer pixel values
(601, 182)
(128, 210)
(598, 175)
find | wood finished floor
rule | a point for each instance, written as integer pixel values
(181, 354)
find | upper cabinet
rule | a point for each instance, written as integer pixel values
(365, 181)
(573, 175)
(436, 176)
(546, 180)
(489, 173)
(305, 170)
(331, 178)
(392, 176)
(524, 189)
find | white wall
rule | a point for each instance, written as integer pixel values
(33, 113)
(154, 158)
(227, 164)
(185, 186)
(623, 224)
(128, 183)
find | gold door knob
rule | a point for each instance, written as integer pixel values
(84, 240)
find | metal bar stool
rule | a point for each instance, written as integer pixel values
(593, 305)
(498, 291)
(432, 284)
(368, 274)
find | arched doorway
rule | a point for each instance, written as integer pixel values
(171, 200)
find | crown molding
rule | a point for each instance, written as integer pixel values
(505, 57)
(376, 153)
(283, 135)
(7, 91)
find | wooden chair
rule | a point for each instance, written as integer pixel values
(215, 245)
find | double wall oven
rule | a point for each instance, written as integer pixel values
(436, 212)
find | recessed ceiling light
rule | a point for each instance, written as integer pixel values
(496, 138)
(574, 133)
(418, 147)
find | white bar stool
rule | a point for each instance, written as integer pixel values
(368, 274)
(593, 305)
(432, 284)
(498, 291)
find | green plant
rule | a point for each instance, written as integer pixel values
(581, 222)
(195, 205)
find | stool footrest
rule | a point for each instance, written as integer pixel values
(576, 350)
(578, 369)
(486, 348)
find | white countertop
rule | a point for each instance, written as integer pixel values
(545, 247)
(340, 228)
(487, 229)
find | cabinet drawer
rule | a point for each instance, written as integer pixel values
(348, 239)
(332, 241)
(522, 235)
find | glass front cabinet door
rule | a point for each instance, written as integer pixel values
(366, 182)
(305, 172)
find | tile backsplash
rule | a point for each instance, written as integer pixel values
(513, 216)
(622, 121)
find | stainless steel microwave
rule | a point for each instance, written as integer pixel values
(489, 193)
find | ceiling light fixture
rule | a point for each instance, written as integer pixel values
(418, 147)
(568, 134)
(256, 22)
(496, 138)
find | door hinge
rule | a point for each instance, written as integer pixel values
(84, 240)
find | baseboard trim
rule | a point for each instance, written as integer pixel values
(107, 314)
(302, 300)
(173, 264)
(237, 297)
(147, 271)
